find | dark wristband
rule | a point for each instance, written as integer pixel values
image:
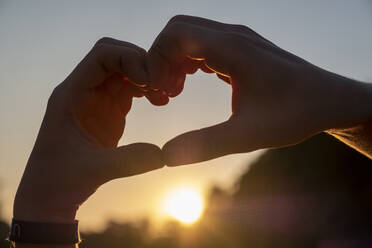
(44, 233)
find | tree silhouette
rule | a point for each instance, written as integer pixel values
(307, 194)
(4, 230)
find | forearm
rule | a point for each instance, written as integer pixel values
(350, 113)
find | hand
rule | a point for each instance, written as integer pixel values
(278, 99)
(76, 151)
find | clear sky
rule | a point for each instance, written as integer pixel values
(42, 41)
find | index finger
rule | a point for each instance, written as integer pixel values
(106, 59)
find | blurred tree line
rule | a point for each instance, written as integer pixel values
(314, 194)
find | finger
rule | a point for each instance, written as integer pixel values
(201, 145)
(112, 41)
(135, 90)
(129, 160)
(140, 50)
(176, 82)
(209, 23)
(190, 66)
(125, 97)
(157, 98)
(118, 86)
(179, 84)
(180, 40)
(226, 27)
(113, 84)
(170, 85)
(122, 91)
(106, 59)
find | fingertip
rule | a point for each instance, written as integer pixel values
(181, 150)
(178, 86)
(201, 145)
(157, 70)
(129, 160)
(157, 98)
(141, 158)
(190, 66)
(152, 155)
(169, 154)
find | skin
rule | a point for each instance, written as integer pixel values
(278, 99)
(76, 148)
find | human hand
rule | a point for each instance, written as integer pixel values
(76, 151)
(278, 99)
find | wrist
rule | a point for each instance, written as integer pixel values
(39, 199)
(35, 234)
(28, 208)
(32, 212)
(30, 205)
(40, 214)
(23, 245)
(37, 213)
(342, 102)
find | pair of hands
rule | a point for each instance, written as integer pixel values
(278, 99)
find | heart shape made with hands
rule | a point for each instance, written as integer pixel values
(272, 98)
(266, 93)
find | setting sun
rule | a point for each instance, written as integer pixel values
(185, 205)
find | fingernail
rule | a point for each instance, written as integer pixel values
(140, 84)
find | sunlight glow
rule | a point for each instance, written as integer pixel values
(185, 205)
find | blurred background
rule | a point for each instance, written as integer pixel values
(315, 194)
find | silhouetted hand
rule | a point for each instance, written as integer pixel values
(278, 99)
(76, 151)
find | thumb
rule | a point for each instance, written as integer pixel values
(201, 145)
(130, 160)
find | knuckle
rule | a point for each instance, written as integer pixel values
(98, 51)
(172, 29)
(174, 32)
(98, 48)
(168, 39)
(104, 40)
(241, 28)
(178, 18)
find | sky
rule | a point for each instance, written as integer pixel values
(42, 41)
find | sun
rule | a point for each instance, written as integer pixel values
(184, 204)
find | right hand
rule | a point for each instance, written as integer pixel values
(278, 99)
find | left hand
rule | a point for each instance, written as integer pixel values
(76, 148)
